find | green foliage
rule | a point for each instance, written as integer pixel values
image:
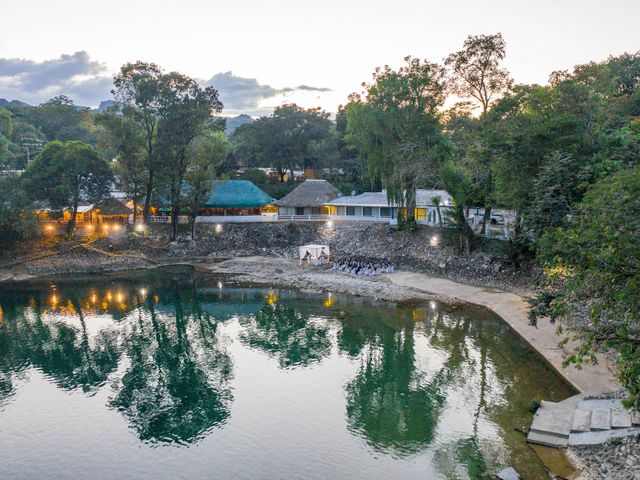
(68, 173)
(595, 275)
(457, 182)
(476, 72)
(395, 127)
(16, 219)
(291, 138)
(205, 155)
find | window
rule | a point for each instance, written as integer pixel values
(366, 212)
(351, 211)
(385, 212)
(315, 210)
(299, 210)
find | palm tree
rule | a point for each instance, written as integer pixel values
(436, 201)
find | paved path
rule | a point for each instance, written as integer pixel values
(591, 379)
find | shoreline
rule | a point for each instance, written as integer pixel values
(400, 286)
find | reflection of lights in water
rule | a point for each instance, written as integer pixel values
(272, 298)
(119, 297)
(143, 292)
(156, 298)
(434, 241)
(418, 314)
(109, 296)
(329, 301)
(54, 299)
(433, 305)
(1, 315)
(94, 298)
(220, 285)
(218, 228)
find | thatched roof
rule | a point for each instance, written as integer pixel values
(112, 206)
(237, 194)
(310, 193)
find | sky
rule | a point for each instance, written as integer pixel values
(260, 54)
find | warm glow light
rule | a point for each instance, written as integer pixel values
(116, 228)
(106, 228)
(330, 223)
(49, 227)
(119, 297)
(109, 296)
(434, 241)
(94, 298)
(54, 299)
(89, 228)
(218, 228)
(140, 227)
(329, 301)
(143, 292)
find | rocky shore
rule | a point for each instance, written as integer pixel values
(616, 459)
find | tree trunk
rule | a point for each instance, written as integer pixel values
(486, 220)
(72, 220)
(439, 214)
(175, 213)
(147, 197)
(135, 210)
(193, 226)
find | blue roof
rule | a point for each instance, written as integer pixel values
(237, 194)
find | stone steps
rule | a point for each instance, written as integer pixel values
(581, 422)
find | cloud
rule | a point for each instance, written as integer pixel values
(88, 82)
(79, 77)
(241, 94)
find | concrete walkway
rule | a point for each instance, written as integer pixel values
(591, 379)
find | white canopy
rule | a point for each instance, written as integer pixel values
(314, 254)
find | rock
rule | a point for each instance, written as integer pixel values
(509, 474)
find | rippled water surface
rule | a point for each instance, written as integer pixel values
(174, 374)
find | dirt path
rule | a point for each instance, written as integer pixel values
(592, 379)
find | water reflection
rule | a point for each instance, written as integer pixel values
(176, 387)
(449, 385)
(286, 334)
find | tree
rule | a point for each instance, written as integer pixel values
(594, 275)
(187, 110)
(457, 182)
(60, 119)
(436, 201)
(137, 89)
(290, 138)
(476, 72)
(16, 219)
(395, 127)
(124, 142)
(206, 154)
(64, 174)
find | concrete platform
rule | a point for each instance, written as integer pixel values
(547, 440)
(553, 419)
(581, 421)
(601, 419)
(620, 418)
(635, 418)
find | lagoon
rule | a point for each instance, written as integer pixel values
(179, 374)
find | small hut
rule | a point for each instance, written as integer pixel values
(308, 198)
(111, 211)
(236, 198)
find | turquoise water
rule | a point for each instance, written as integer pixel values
(176, 374)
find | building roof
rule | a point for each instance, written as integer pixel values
(379, 199)
(424, 197)
(310, 193)
(237, 194)
(112, 206)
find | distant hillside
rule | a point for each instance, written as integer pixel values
(4, 103)
(235, 122)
